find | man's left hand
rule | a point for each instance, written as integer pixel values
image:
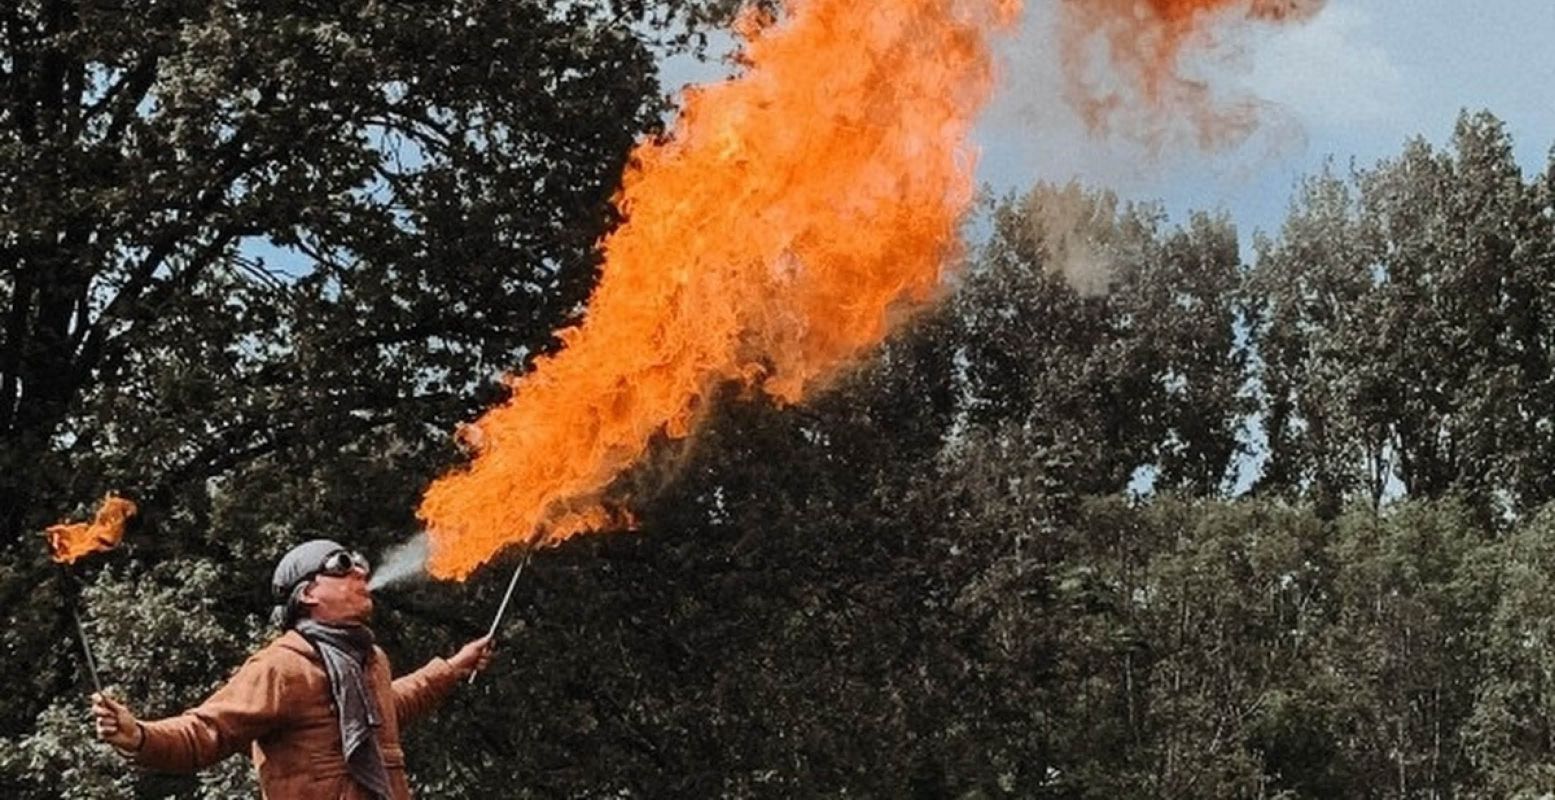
(473, 657)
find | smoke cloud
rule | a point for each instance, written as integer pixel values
(1075, 229)
(401, 563)
(1145, 70)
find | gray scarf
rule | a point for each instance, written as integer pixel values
(345, 649)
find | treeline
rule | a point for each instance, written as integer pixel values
(1121, 516)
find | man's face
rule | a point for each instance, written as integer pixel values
(339, 598)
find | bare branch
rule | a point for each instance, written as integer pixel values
(125, 97)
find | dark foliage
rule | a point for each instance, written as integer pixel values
(256, 260)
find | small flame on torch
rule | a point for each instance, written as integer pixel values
(69, 542)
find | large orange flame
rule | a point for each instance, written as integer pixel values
(794, 214)
(71, 541)
(1123, 67)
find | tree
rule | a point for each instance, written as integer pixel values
(1186, 297)
(1510, 735)
(256, 260)
(1327, 438)
(434, 181)
(1452, 272)
(1402, 332)
(1099, 329)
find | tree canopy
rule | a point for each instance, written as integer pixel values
(1121, 516)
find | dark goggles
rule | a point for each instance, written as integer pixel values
(340, 563)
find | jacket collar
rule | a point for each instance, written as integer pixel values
(293, 641)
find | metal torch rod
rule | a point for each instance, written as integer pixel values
(91, 663)
(508, 595)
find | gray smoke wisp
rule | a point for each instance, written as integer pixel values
(1076, 230)
(401, 563)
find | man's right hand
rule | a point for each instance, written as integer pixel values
(115, 724)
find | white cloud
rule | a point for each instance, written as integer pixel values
(1330, 72)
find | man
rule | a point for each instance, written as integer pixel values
(316, 706)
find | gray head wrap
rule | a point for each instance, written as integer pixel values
(299, 563)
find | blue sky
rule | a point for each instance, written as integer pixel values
(1351, 84)
(1355, 82)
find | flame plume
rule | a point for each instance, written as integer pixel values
(1122, 63)
(69, 542)
(794, 214)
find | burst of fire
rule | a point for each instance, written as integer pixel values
(794, 215)
(1123, 67)
(71, 541)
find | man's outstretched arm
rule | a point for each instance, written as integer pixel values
(416, 694)
(247, 707)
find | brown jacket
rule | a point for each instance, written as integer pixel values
(279, 704)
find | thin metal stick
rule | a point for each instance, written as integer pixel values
(501, 609)
(91, 664)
